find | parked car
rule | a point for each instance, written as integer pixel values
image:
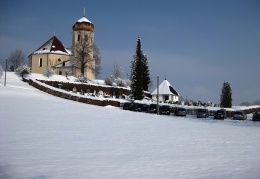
(239, 115)
(133, 106)
(256, 116)
(180, 112)
(220, 114)
(202, 113)
(127, 106)
(152, 108)
(140, 107)
(165, 109)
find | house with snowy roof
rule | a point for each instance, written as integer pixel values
(54, 54)
(166, 92)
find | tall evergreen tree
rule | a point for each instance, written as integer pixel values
(226, 96)
(146, 74)
(140, 77)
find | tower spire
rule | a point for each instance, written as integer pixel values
(84, 12)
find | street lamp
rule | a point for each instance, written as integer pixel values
(5, 71)
(157, 95)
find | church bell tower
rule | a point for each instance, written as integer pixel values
(83, 30)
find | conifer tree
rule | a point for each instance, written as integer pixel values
(140, 77)
(146, 74)
(226, 96)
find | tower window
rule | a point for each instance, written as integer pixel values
(40, 62)
(78, 38)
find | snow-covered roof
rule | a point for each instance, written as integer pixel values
(65, 64)
(165, 88)
(53, 45)
(84, 19)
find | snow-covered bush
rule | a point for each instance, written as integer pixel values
(120, 82)
(128, 82)
(109, 81)
(48, 72)
(67, 72)
(23, 70)
(81, 78)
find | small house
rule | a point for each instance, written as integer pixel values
(166, 93)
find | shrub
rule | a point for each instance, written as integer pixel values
(109, 81)
(81, 78)
(120, 82)
(23, 70)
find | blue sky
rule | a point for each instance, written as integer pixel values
(197, 44)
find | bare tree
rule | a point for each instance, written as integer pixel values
(97, 57)
(83, 57)
(16, 59)
(117, 71)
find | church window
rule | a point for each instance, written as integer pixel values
(40, 62)
(63, 64)
(60, 72)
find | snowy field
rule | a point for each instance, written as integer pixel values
(45, 137)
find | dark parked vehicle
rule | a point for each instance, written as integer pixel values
(152, 108)
(256, 116)
(220, 114)
(202, 113)
(127, 106)
(239, 115)
(165, 109)
(133, 106)
(140, 107)
(180, 112)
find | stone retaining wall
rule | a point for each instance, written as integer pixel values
(74, 97)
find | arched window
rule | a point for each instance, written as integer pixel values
(78, 38)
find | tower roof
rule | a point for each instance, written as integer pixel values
(53, 45)
(83, 24)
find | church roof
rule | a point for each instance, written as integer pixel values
(67, 63)
(53, 45)
(165, 88)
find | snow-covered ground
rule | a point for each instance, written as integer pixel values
(46, 137)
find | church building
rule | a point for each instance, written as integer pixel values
(55, 55)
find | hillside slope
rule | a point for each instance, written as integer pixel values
(45, 137)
